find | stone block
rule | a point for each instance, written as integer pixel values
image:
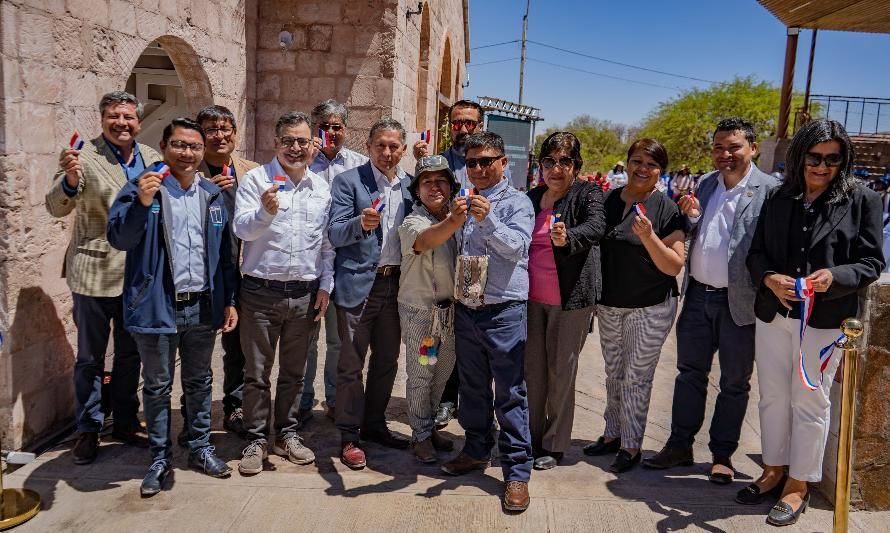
(95, 11)
(11, 86)
(363, 66)
(150, 24)
(342, 41)
(170, 9)
(293, 86)
(333, 65)
(310, 63)
(324, 12)
(320, 37)
(122, 16)
(34, 30)
(38, 137)
(364, 92)
(268, 88)
(9, 28)
(274, 60)
(344, 88)
(322, 88)
(44, 82)
(54, 7)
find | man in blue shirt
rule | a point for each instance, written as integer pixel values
(86, 183)
(491, 343)
(179, 288)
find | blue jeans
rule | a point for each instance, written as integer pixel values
(331, 356)
(93, 317)
(194, 340)
(491, 346)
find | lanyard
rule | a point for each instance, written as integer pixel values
(803, 289)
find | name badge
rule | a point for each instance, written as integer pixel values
(155, 207)
(216, 215)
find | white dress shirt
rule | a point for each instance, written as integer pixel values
(293, 243)
(187, 226)
(392, 216)
(345, 159)
(709, 258)
(617, 179)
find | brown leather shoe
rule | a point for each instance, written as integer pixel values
(516, 496)
(463, 464)
(425, 452)
(352, 456)
(86, 448)
(440, 442)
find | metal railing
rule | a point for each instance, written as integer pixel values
(859, 115)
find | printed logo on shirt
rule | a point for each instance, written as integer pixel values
(216, 215)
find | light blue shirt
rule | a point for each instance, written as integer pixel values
(458, 163)
(189, 270)
(505, 236)
(345, 159)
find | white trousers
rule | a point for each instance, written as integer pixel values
(793, 419)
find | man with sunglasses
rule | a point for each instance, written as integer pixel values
(179, 288)
(718, 303)
(281, 214)
(225, 169)
(491, 337)
(333, 158)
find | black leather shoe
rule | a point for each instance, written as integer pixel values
(154, 480)
(624, 462)
(751, 494)
(386, 438)
(783, 515)
(670, 457)
(547, 460)
(720, 478)
(444, 414)
(206, 461)
(86, 448)
(601, 447)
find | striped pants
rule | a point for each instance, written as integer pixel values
(631, 341)
(425, 382)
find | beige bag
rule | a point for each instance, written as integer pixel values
(470, 277)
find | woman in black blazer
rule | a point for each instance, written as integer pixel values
(564, 283)
(823, 229)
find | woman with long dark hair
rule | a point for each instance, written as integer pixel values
(564, 283)
(817, 245)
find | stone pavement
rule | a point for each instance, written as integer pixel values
(397, 494)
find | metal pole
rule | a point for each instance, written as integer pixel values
(806, 94)
(852, 328)
(787, 83)
(522, 58)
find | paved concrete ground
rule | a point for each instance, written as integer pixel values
(397, 494)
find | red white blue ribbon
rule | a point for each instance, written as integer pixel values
(161, 168)
(426, 136)
(555, 218)
(325, 138)
(639, 209)
(76, 142)
(228, 171)
(378, 204)
(803, 289)
(281, 181)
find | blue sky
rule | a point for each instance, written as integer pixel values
(707, 39)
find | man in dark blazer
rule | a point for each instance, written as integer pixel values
(718, 307)
(368, 205)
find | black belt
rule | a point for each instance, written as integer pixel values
(707, 287)
(388, 270)
(291, 285)
(491, 308)
(183, 297)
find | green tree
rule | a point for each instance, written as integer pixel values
(686, 123)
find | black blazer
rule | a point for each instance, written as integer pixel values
(578, 263)
(847, 239)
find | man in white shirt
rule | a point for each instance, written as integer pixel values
(281, 215)
(718, 308)
(617, 176)
(329, 118)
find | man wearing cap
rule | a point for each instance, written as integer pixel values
(369, 203)
(426, 286)
(617, 177)
(87, 183)
(281, 214)
(491, 344)
(329, 117)
(179, 288)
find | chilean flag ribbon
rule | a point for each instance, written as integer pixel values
(426, 136)
(280, 180)
(803, 289)
(325, 138)
(76, 142)
(639, 209)
(555, 218)
(228, 171)
(162, 169)
(378, 204)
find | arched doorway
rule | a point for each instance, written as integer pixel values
(169, 79)
(423, 72)
(444, 94)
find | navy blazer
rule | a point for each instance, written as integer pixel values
(358, 251)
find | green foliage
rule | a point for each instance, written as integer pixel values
(602, 142)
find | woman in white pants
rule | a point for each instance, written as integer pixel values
(819, 228)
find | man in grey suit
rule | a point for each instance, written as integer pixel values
(718, 308)
(368, 204)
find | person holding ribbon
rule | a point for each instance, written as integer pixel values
(817, 245)
(426, 310)
(642, 255)
(564, 284)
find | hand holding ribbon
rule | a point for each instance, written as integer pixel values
(805, 292)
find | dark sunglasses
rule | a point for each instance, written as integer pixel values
(483, 162)
(324, 126)
(831, 160)
(458, 124)
(564, 162)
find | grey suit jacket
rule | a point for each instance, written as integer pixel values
(741, 291)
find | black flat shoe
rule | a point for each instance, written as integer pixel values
(624, 462)
(154, 479)
(601, 447)
(670, 457)
(720, 478)
(751, 494)
(783, 515)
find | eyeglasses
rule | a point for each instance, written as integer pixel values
(324, 126)
(813, 159)
(564, 162)
(211, 132)
(458, 124)
(288, 142)
(181, 147)
(483, 162)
